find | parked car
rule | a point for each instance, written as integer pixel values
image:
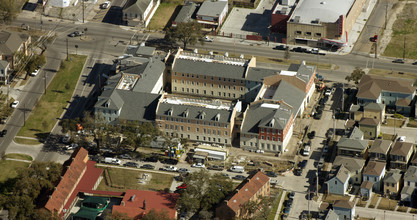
(291, 195)
(260, 151)
(398, 61)
(306, 151)
(280, 47)
(311, 135)
(239, 177)
(225, 175)
(35, 72)
(302, 164)
(415, 63)
(170, 161)
(401, 138)
(170, 168)
(76, 34)
(3, 133)
(298, 171)
(325, 149)
(215, 167)
(198, 165)
(147, 166)
(71, 146)
(14, 104)
(105, 5)
(183, 170)
(125, 156)
(271, 174)
(318, 115)
(152, 159)
(131, 164)
(208, 39)
(328, 92)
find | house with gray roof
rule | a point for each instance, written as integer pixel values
(196, 118)
(339, 183)
(379, 150)
(353, 165)
(368, 110)
(400, 155)
(212, 14)
(344, 209)
(370, 127)
(352, 147)
(374, 172)
(356, 134)
(410, 184)
(139, 12)
(387, 91)
(4, 71)
(331, 215)
(10, 44)
(267, 125)
(366, 189)
(393, 183)
(140, 51)
(186, 14)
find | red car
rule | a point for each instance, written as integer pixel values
(182, 186)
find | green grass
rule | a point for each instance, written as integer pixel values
(164, 14)
(405, 26)
(391, 122)
(9, 169)
(387, 204)
(402, 208)
(26, 141)
(51, 105)
(19, 156)
(361, 203)
(331, 198)
(275, 205)
(122, 179)
(374, 200)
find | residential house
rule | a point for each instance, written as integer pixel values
(368, 110)
(331, 215)
(410, 184)
(139, 12)
(4, 71)
(400, 155)
(387, 91)
(137, 203)
(344, 209)
(374, 172)
(11, 45)
(267, 125)
(393, 183)
(197, 119)
(255, 186)
(413, 161)
(133, 93)
(354, 165)
(366, 189)
(352, 147)
(212, 14)
(370, 127)
(186, 14)
(379, 150)
(339, 183)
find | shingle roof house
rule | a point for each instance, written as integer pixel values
(400, 155)
(354, 165)
(252, 188)
(137, 12)
(11, 43)
(379, 150)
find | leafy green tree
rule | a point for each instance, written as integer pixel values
(154, 215)
(356, 75)
(8, 10)
(186, 33)
(34, 63)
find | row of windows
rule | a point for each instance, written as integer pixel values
(197, 91)
(272, 131)
(268, 138)
(268, 146)
(205, 131)
(190, 75)
(307, 33)
(204, 138)
(104, 111)
(196, 121)
(205, 84)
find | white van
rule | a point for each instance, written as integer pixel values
(112, 161)
(306, 150)
(237, 169)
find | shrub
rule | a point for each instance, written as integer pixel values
(397, 115)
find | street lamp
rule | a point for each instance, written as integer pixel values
(76, 47)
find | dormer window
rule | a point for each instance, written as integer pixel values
(170, 111)
(271, 123)
(202, 115)
(185, 113)
(217, 118)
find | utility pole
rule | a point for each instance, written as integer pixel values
(44, 77)
(376, 49)
(24, 114)
(334, 124)
(404, 47)
(343, 97)
(41, 22)
(386, 15)
(317, 182)
(67, 48)
(83, 10)
(308, 216)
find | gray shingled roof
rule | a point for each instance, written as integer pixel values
(411, 174)
(186, 13)
(352, 164)
(331, 215)
(408, 190)
(373, 106)
(342, 174)
(139, 106)
(352, 144)
(3, 64)
(290, 94)
(393, 176)
(304, 72)
(367, 185)
(371, 86)
(343, 204)
(356, 134)
(380, 146)
(113, 102)
(210, 68)
(10, 42)
(401, 148)
(258, 116)
(136, 6)
(258, 74)
(211, 9)
(140, 51)
(194, 112)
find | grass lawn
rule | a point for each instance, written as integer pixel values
(412, 123)
(332, 198)
(51, 105)
(285, 197)
(402, 208)
(391, 122)
(387, 204)
(19, 156)
(404, 26)
(123, 179)
(361, 203)
(9, 168)
(275, 205)
(374, 200)
(26, 141)
(393, 74)
(164, 14)
(413, 210)
(387, 136)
